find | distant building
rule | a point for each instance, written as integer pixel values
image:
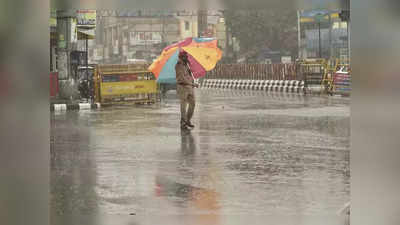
(129, 37)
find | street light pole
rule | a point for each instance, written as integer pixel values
(299, 54)
(348, 26)
(319, 38)
(330, 35)
(319, 17)
(87, 58)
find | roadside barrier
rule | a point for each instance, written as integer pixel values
(77, 106)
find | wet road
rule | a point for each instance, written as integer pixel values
(252, 154)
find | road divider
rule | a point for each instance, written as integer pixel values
(293, 86)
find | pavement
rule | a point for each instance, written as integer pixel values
(253, 157)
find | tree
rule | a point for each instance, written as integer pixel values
(261, 30)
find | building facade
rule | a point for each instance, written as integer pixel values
(125, 39)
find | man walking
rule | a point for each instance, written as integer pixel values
(185, 84)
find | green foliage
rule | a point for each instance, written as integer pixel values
(260, 30)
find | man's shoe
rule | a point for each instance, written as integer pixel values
(184, 127)
(189, 124)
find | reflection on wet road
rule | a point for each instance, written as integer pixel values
(251, 154)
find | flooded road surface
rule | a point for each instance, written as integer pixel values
(252, 155)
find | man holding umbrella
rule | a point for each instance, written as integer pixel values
(185, 85)
(180, 63)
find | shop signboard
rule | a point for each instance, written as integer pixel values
(86, 18)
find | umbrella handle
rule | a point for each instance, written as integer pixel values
(190, 72)
(192, 75)
(194, 84)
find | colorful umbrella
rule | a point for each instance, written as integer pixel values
(203, 55)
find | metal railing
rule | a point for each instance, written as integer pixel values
(254, 72)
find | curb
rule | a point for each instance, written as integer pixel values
(293, 86)
(78, 106)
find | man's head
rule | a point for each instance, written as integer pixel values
(183, 57)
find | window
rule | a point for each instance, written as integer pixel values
(187, 25)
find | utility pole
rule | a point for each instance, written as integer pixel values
(299, 36)
(319, 18)
(87, 57)
(319, 39)
(348, 40)
(330, 36)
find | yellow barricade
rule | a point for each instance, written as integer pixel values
(124, 83)
(128, 88)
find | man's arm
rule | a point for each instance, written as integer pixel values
(190, 77)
